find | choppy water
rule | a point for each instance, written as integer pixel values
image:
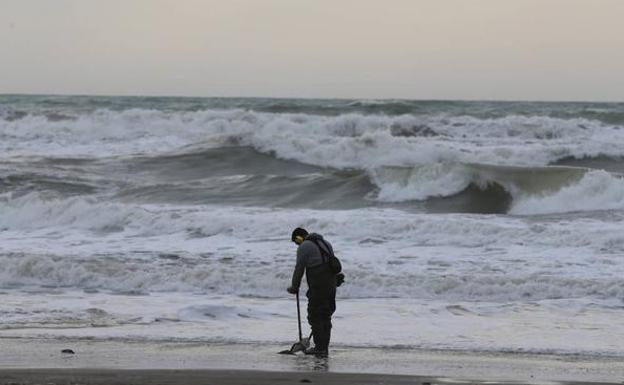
(456, 221)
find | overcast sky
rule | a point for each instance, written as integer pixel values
(417, 49)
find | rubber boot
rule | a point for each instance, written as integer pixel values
(322, 335)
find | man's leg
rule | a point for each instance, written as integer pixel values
(315, 318)
(321, 306)
(327, 310)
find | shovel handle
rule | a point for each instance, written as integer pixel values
(299, 317)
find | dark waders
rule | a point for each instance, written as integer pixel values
(321, 303)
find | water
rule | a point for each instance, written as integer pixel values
(488, 226)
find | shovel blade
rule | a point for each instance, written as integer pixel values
(297, 347)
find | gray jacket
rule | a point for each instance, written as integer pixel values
(309, 255)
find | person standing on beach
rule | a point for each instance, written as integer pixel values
(313, 253)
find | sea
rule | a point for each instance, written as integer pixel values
(462, 226)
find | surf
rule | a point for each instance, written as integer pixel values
(487, 188)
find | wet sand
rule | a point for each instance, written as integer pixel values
(219, 377)
(41, 361)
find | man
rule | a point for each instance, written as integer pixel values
(312, 257)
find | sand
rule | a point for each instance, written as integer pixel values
(33, 361)
(216, 377)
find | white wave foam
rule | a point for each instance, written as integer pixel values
(597, 190)
(406, 324)
(343, 141)
(219, 312)
(243, 251)
(420, 182)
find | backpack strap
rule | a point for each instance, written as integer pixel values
(328, 257)
(324, 254)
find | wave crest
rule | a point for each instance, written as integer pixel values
(597, 190)
(348, 140)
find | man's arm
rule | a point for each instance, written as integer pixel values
(299, 270)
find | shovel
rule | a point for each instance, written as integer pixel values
(303, 343)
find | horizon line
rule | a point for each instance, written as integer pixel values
(450, 100)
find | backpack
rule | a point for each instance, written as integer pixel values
(334, 263)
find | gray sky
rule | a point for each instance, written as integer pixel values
(420, 49)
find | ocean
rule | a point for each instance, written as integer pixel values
(476, 226)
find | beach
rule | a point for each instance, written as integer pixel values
(480, 240)
(124, 362)
(234, 377)
(420, 192)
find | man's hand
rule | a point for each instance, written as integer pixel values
(292, 290)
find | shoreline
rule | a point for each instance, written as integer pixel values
(230, 377)
(22, 358)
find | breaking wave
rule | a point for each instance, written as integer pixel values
(419, 160)
(342, 141)
(242, 176)
(597, 190)
(529, 190)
